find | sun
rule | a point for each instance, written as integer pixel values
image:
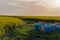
(56, 3)
(49, 3)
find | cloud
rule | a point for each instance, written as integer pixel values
(21, 3)
(26, 0)
(27, 7)
(14, 4)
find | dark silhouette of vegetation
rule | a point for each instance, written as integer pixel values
(38, 35)
(35, 19)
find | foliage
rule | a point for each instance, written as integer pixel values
(43, 18)
(8, 26)
(13, 28)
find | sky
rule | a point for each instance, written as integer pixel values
(30, 7)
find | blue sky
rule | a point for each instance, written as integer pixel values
(28, 8)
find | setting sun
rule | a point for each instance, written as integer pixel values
(56, 3)
(49, 3)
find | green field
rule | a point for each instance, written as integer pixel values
(49, 18)
(19, 28)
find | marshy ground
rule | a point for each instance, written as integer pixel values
(20, 28)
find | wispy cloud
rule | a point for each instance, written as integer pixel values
(27, 7)
(14, 4)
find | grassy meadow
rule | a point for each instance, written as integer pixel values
(22, 28)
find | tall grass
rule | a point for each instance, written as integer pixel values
(13, 28)
(8, 27)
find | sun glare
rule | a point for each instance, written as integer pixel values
(56, 3)
(49, 3)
